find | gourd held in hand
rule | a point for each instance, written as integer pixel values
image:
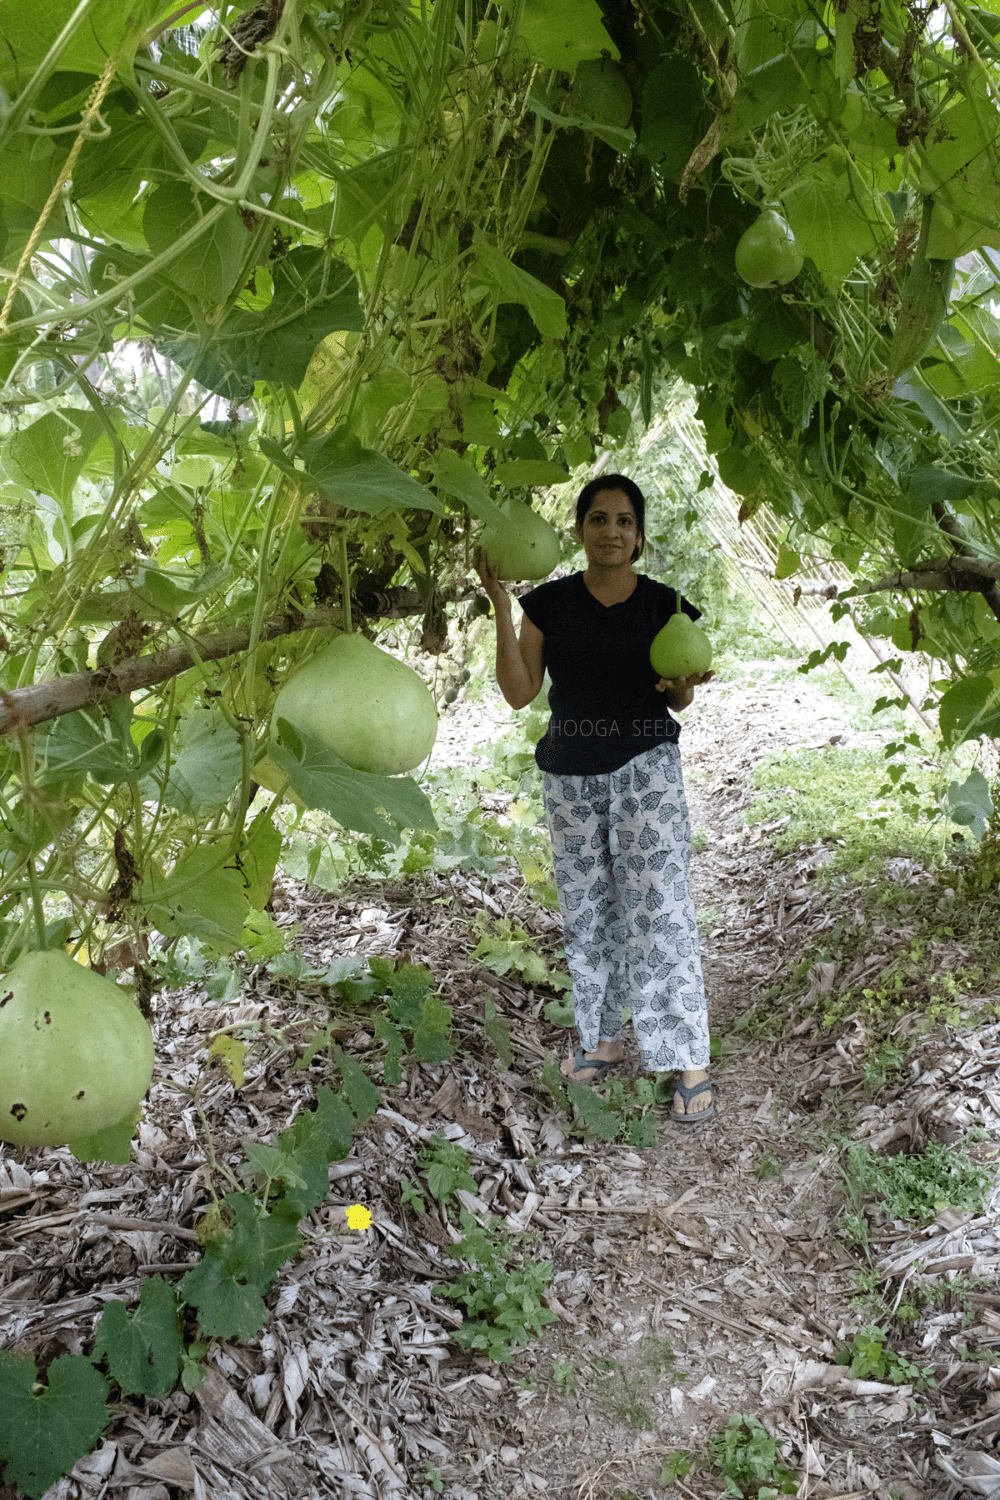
(680, 649)
(524, 546)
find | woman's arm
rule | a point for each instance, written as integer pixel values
(520, 668)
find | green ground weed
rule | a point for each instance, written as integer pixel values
(834, 796)
(917, 1187)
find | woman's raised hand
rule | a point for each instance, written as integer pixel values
(489, 578)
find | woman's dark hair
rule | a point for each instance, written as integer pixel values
(604, 482)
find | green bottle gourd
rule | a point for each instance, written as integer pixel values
(76, 1054)
(680, 649)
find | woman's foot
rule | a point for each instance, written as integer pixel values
(604, 1051)
(699, 1102)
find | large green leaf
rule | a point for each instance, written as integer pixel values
(674, 114)
(564, 33)
(340, 469)
(106, 28)
(379, 806)
(456, 476)
(201, 898)
(314, 295)
(227, 1285)
(96, 743)
(144, 1348)
(208, 764)
(509, 283)
(834, 215)
(208, 268)
(50, 454)
(970, 710)
(29, 167)
(42, 1435)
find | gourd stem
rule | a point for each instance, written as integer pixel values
(38, 910)
(345, 580)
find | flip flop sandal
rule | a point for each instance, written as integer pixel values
(583, 1062)
(687, 1093)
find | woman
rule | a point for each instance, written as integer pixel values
(614, 796)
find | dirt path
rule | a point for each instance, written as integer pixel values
(699, 1278)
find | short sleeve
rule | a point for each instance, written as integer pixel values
(535, 604)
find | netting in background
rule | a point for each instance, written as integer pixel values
(797, 608)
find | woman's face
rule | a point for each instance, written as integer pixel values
(610, 532)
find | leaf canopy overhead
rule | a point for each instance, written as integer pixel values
(426, 255)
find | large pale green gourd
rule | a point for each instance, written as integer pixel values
(76, 1055)
(364, 705)
(525, 546)
(680, 648)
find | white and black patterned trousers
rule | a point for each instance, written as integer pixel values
(621, 843)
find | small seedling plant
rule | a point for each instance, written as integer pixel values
(870, 1358)
(746, 1457)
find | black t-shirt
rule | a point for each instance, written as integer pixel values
(605, 707)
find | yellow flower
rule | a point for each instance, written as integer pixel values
(358, 1216)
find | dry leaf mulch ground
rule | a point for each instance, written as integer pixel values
(677, 1261)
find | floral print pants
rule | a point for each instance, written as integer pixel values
(621, 843)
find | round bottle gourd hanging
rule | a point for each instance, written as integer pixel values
(680, 649)
(76, 1055)
(523, 545)
(363, 704)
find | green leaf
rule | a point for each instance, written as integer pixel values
(110, 161)
(363, 1095)
(43, 1435)
(493, 271)
(314, 295)
(498, 1031)
(564, 33)
(208, 268)
(29, 168)
(395, 1045)
(834, 215)
(143, 1349)
(97, 744)
(933, 486)
(314, 1139)
(105, 29)
(596, 1116)
(970, 710)
(273, 1163)
(740, 470)
(112, 1144)
(339, 469)
(430, 1035)
(969, 803)
(779, 84)
(409, 986)
(458, 477)
(788, 562)
(260, 859)
(202, 897)
(50, 454)
(208, 764)
(379, 806)
(529, 471)
(227, 1286)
